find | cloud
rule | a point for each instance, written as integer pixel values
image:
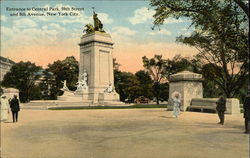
(6, 33)
(141, 15)
(24, 23)
(39, 45)
(105, 18)
(49, 34)
(123, 31)
(173, 21)
(161, 32)
(54, 26)
(188, 33)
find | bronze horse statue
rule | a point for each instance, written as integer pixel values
(88, 28)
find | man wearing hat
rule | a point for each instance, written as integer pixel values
(14, 105)
(221, 108)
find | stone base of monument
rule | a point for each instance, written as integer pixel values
(109, 98)
(71, 99)
(74, 97)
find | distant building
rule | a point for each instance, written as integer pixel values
(5, 65)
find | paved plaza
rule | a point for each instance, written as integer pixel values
(123, 133)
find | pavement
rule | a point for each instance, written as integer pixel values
(122, 133)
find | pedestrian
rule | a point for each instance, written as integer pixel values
(221, 108)
(246, 107)
(176, 105)
(14, 105)
(4, 107)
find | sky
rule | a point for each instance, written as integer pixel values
(45, 39)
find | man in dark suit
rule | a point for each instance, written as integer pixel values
(246, 107)
(221, 108)
(14, 105)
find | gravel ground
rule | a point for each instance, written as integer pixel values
(122, 133)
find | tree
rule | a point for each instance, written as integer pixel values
(1, 89)
(179, 63)
(66, 69)
(155, 67)
(127, 85)
(220, 36)
(164, 91)
(22, 76)
(145, 82)
(47, 86)
(116, 65)
(244, 5)
(210, 88)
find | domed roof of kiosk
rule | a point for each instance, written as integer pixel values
(186, 76)
(11, 90)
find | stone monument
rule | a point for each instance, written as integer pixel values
(188, 85)
(96, 77)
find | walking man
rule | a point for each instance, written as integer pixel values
(221, 108)
(14, 105)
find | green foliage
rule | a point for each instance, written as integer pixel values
(116, 65)
(156, 68)
(127, 85)
(1, 90)
(164, 91)
(47, 86)
(221, 36)
(145, 83)
(22, 76)
(35, 93)
(179, 63)
(66, 69)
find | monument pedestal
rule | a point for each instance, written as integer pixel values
(96, 65)
(105, 98)
(96, 59)
(188, 85)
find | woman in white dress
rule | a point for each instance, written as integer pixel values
(4, 107)
(176, 107)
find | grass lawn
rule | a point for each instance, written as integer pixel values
(110, 107)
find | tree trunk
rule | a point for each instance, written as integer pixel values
(157, 99)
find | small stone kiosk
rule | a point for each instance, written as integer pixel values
(188, 85)
(96, 77)
(10, 92)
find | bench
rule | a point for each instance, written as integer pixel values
(203, 104)
(209, 104)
